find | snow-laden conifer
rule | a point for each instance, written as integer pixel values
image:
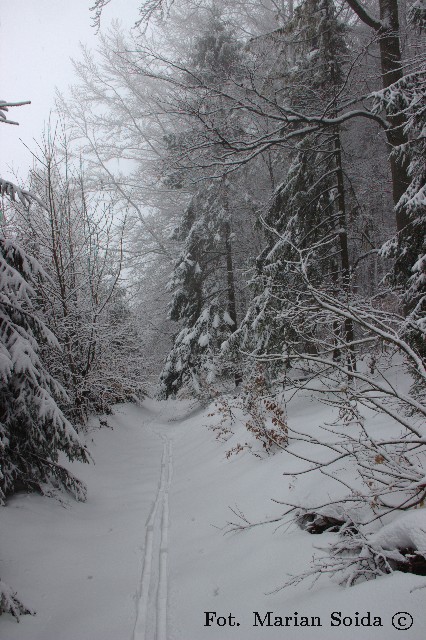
(308, 209)
(33, 428)
(200, 295)
(406, 98)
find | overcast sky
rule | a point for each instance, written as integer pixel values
(37, 39)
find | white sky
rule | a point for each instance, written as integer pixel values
(37, 38)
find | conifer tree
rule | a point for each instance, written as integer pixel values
(396, 100)
(308, 211)
(201, 298)
(203, 281)
(408, 248)
(33, 428)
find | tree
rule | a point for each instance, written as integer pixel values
(406, 97)
(386, 466)
(400, 99)
(387, 30)
(284, 124)
(33, 429)
(8, 188)
(203, 291)
(203, 282)
(147, 10)
(308, 209)
(79, 239)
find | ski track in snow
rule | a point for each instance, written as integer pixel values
(151, 609)
(147, 580)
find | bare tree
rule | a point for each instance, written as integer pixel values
(79, 238)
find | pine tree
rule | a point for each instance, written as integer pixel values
(203, 281)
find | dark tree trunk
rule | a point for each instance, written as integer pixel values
(391, 64)
(232, 306)
(388, 33)
(230, 279)
(344, 245)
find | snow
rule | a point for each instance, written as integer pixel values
(147, 555)
(80, 562)
(406, 532)
(204, 339)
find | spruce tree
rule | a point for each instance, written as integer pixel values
(203, 281)
(33, 429)
(408, 248)
(201, 300)
(307, 215)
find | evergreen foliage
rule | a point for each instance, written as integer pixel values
(9, 602)
(307, 213)
(200, 296)
(33, 428)
(407, 97)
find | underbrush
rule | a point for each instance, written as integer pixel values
(261, 412)
(361, 461)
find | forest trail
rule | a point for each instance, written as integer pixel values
(145, 557)
(151, 618)
(107, 559)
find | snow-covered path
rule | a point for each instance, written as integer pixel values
(94, 571)
(144, 559)
(151, 619)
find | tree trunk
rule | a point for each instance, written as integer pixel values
(391, 64)
(388, 32)
(344, 246)
(230, 279)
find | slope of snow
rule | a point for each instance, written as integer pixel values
(147, 555)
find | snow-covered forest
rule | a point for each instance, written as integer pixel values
(222, 237)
